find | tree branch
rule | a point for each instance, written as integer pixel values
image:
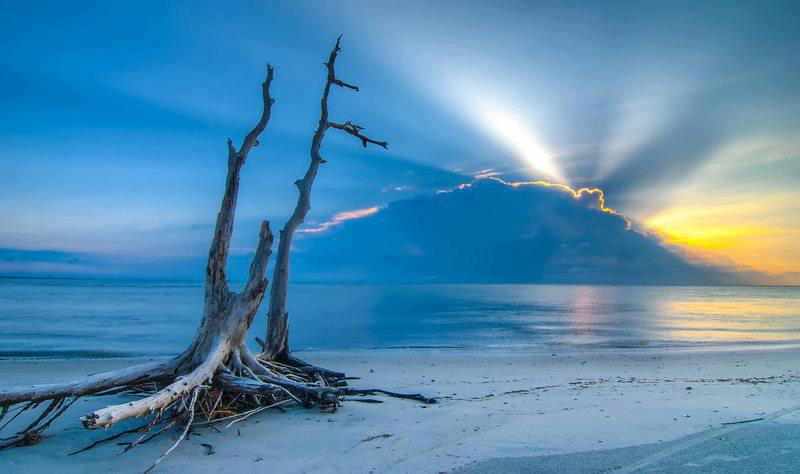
(277, 316)
(256, 284)
(158, 401)
(355, 130)
(251, 139)
(91, 384)
(216, 277)
(341, 83)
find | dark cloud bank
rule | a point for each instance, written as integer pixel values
(487, 233)
(494, 233)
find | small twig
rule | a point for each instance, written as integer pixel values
(355, 130)
(372, 391)
(370, 438)
(163, 429)
(145, 429)
(252, 412)
(29, 405)
(742, 421)
(183, 434)
(55, 415)
(363, 400)
(55, 404)
(110, 438)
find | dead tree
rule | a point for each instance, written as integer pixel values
(217, 376)
(277, 317)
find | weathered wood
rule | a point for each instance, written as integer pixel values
(217, 376)
(226, 317)
(89, 385)
(277, 316)
(182, 385)
(216, 277)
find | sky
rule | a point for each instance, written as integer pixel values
(685, 114)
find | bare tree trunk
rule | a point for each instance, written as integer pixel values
(277, 316)
(226, 318)
(217, 374)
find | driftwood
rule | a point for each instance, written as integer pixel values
(741, 421)
(217, 377)
(277, 316)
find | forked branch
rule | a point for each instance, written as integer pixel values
(217, 377)
(277, 317)
(216, 277)
(355, 130)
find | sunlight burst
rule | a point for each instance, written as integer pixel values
(511, 133)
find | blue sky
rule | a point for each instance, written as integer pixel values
(113, 140)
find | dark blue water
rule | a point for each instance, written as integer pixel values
(79, 318)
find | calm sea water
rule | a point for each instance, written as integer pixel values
(80, 318)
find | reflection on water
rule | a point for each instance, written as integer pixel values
(78, 318)
(745, 317)
(583, 318)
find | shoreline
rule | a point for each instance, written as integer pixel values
(492, 404)
(533, 349)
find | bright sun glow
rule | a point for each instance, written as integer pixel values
(511, 133)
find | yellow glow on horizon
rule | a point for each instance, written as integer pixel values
(731, 234)
(741, 209)
(709, 233)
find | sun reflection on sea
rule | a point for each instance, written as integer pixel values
(714, 320)
(586, 317)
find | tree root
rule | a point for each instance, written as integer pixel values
(217, 378)
(32, 434)
(245, 384)
(161, 399)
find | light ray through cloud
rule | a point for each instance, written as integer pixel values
(509, 131)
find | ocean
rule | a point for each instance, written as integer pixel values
(54, 318)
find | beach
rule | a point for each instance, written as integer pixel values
(497, 410)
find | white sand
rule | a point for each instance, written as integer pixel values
(496, 403)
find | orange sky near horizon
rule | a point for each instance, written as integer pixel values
(741, 208)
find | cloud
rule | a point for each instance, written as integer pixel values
(66, 264)
(486, 231)
(487, 173)
(576, 193)
(340, 218)
(492, 231)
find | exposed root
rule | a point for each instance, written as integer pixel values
(144, 428)
(92, 384)
(61, 396)
(32, 434)
(183, 434)
(212, 392)
(374, 391)
(217, 378)
(161, 399)
(245, 384)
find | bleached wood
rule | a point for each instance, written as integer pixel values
(182, 385)
(277, 316)
(217, 372)
(225, 320)
(92, 384)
